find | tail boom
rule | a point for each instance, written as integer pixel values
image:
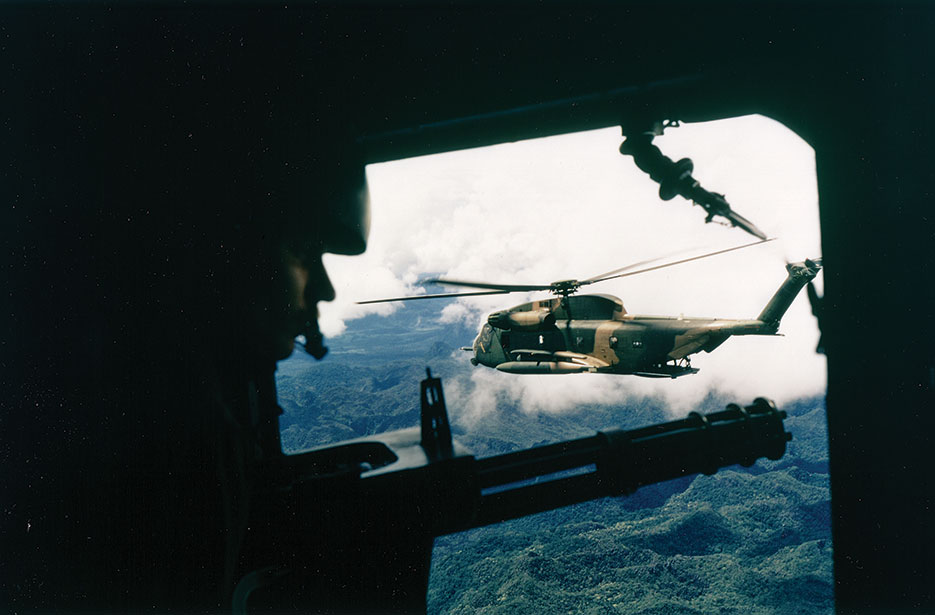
(710, 335)
(799, 274)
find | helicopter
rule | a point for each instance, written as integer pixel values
(594, 333)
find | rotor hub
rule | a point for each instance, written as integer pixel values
(564, 287)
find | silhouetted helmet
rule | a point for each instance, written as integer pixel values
(330, 201)
(347, 214)
(223, 124)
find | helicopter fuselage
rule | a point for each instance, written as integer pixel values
(593, 333)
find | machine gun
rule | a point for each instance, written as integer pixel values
(350, 527)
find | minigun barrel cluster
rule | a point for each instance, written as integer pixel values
(620, 461)
(422, 468)
(380, 501)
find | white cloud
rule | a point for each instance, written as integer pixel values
(573, 207)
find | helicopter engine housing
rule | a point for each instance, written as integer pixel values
(532, 320)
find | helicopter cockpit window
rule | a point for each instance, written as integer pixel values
(485, 334)
(501, 215)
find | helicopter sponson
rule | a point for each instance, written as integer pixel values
(594, 333)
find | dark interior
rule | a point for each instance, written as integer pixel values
(396, 80)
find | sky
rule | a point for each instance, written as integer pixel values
(572, 207)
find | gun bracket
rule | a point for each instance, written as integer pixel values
(436, 430)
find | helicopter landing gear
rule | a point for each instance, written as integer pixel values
(670, 369)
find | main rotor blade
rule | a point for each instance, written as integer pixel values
(503, 289)
(439, 296)
(639, 264)
(507, 288)
(673, 263)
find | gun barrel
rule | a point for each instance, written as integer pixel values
(345, 512)
(618, 462)
(539, 461)
(454, 493)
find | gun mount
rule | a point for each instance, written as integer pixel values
(355, 522)
(675, 178)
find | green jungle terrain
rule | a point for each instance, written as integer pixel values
(745, 540)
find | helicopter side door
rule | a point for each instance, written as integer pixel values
(548, 341)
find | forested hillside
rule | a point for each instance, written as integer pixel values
(745, 540)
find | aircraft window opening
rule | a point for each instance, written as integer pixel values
(472, 208)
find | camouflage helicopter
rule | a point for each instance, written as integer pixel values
(593, 333)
